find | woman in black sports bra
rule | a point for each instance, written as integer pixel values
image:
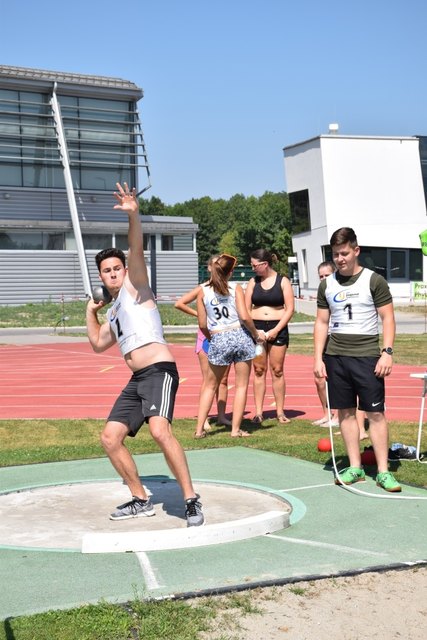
(270, 299)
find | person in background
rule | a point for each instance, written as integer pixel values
(202, 346)
(324, 269)
(133, 321)
(349, 302)
(270, 300)
(221, 312)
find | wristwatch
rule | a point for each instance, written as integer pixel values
(388, 350)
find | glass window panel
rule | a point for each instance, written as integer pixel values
(374, 258)
(398, 270)
(9, 124)
(53, 241)
(122, 242)
(300, 211)
(415, 265)
(30, 240)
(94, 177)
(167, 243)
(10, 174)
(97, 241)
(7, 94)
(10, 147)
(6, 241)
(40, 175)
(21, 240)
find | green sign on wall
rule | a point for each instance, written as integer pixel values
(419, 290)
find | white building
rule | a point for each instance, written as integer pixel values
(372, 184)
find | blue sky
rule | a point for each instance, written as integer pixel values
(229, 83)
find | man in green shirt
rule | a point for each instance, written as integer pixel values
(349, 302)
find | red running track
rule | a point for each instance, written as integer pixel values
(70, 381)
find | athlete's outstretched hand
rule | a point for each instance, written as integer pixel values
(126, 199)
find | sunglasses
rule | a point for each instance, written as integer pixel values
(230, 259)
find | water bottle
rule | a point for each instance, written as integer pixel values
(259, 353)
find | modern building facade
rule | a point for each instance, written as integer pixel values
(66, 139)
(372, 184)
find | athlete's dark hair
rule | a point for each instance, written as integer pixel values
(262, 255)
(342, 236)
(221, 270)
(109, 253)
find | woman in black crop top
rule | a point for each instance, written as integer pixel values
(270, 299)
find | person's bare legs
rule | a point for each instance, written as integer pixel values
(321, 392)
(161, 432)
(259, 384)
(221, 400)
(204, 368)
(350, 434)
(378, 430)
(210, 384)
(363, 434)
(277, 361)
(112, 440)
(242, 374)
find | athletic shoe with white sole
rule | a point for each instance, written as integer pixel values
(193, 512)
(135, 508)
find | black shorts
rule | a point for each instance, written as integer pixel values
(282, 338)
(353, 383)
(150, 392)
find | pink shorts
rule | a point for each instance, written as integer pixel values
(199, 341)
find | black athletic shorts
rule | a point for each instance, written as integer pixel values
(350, 379)
(282, 338)
(150, 392)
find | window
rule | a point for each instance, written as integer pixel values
(300, 211)
(31, 240)
(374, 258)
(121, 242)
(97, 241)
(102, 138)
(398, 265)
(177, 243)
(395, 265)
(304, 274)
(101, 141)
(415, 265)
(28, 147)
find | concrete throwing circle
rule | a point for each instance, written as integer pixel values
(75, 517)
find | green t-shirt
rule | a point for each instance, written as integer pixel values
(358, 345)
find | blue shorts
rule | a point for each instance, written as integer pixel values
(231, 346)
(150, 392)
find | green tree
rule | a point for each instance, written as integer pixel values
(152, 207)
(228, 243)
(237, 226)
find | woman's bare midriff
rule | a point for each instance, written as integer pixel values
(267, 313)
(147, 355)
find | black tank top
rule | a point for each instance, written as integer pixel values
(268, 297)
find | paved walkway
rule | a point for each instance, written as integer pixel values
(406, 322)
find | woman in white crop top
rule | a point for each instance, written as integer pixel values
(183, 304)
(221, 312)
